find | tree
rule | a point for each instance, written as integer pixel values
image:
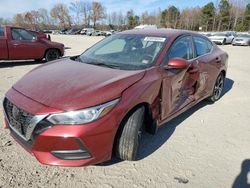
(190, 18)
(170, 17)
(98, 12)
(60, 13)
(28, 17)
(81, 9)
(4, 21)
(247, 17)
(18, 20)
(132, 19)
(87, 13)
(208, 13)
(224, 15)
(121, 19)
(44, 16)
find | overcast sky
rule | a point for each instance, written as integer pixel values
(8, 8)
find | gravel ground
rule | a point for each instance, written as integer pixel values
(203, 148)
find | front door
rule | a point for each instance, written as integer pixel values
(24, 45)
(179, 85)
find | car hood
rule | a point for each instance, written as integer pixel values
(69, 85)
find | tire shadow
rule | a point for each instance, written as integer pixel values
(151, 143)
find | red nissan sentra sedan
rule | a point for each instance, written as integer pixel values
(78, 111)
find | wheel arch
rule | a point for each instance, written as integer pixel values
(52, 49)
(224, 73)
(148, 120)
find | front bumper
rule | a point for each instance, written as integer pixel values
(217, 41)
(68, 145)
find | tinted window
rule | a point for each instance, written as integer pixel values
(202, 46)
(182, 48)
(1, 31)
(21, 34)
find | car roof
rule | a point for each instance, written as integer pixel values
(158, 32)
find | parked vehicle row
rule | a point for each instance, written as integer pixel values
(92, 32)
(229, 37)
(84, 31)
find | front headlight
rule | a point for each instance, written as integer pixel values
(82, 116)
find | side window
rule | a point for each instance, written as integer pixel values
(21, 34)
(1, 31)
(112, 47)
(182, 48)
(202, 46)
(209, 45)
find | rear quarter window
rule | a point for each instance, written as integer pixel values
(2, 32)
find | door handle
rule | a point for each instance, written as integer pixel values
(16, 45)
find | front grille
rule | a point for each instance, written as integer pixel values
(17, 117)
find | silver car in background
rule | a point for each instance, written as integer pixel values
(222, 38)
(242, 39)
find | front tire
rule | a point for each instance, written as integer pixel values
(129, 139)
(52, 54)
(224, 42)
(218, 88)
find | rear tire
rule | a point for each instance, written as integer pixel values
(52, 54)
(218, 88)
(129, 139)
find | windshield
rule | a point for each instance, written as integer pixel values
(127, 52)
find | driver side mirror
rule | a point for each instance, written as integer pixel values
(177, 63)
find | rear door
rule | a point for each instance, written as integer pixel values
(3, 44)
(178, 85)
(208, 62)
(24, 45)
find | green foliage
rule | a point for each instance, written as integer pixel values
(224, 14)
(208, 13)
(170, 17)
(132, 21)
(241, 27)
(247, 17)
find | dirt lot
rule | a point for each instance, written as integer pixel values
(203, 148)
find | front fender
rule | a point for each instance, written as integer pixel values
(146, 90)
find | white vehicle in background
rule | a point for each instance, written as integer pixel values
(242, 39)
(146, 27)
(87, 31)
(222, 38)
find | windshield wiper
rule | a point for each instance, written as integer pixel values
(105, 65)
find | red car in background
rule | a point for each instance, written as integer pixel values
(21, 44)
(78, 111)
